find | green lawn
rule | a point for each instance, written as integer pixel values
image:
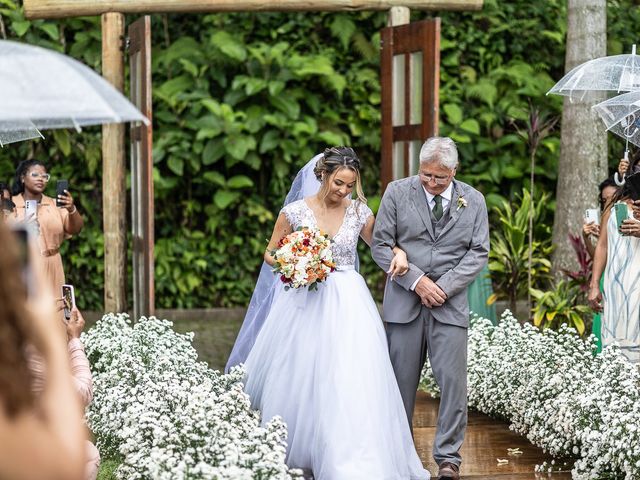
(107, 470)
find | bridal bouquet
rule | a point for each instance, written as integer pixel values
(303, 258)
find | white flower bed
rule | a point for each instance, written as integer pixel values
(556, 393)
(168, 416)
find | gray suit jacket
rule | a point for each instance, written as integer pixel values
(452, 260)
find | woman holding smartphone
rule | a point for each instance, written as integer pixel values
(618, 257)
(55, 222)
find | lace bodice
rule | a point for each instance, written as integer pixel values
(344, 243)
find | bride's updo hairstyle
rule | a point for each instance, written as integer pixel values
(333, 160)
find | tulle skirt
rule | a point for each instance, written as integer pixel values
(321, 362)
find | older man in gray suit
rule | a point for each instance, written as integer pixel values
(442, 225)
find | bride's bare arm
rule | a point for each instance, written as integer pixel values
(280, 229)
(367, 230)
(399, 264)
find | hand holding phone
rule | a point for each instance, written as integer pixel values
(69, 300)
(592, 215)
(75, 324)
(621, 210)
(62, 188)
(30, 210)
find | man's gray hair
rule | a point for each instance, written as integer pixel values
(440, 149)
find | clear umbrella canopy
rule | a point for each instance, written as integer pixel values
(621, 115)
(43, 89)
(617, 73)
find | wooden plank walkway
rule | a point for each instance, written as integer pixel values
(486, 440)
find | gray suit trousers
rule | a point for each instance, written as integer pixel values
(446, 345)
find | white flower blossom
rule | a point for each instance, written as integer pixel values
(168, 416)
(553, 390)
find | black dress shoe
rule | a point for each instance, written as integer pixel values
(448, 471)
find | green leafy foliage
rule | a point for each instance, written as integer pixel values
(509, 255)
(560, 304)
(241, 101)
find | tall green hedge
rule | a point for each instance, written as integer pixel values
(241, 101)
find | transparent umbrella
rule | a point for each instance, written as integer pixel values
(621, 115)
(617, 73)
(43, 89)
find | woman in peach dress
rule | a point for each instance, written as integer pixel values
(53, 223)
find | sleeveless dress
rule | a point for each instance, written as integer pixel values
(621, 292)
(321, 362)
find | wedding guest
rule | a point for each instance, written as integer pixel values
(618, 257)
(590, 234)
(39, 434)
(82, 379)
(6, 204)
(591, 230)
(55, 223)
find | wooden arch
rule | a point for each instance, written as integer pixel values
(113, 148)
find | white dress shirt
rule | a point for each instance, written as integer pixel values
(446, 200)
(446, 197)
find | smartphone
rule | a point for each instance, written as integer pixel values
(592, 215)
(22, 236)
(622, 212)
(69, 300)
(61, 186)
(30, 209)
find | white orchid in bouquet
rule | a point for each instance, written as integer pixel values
(303, 258)
(168, 416)
(552, 389)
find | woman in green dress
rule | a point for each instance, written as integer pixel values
(590, 234)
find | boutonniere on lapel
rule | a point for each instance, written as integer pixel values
(462, 203)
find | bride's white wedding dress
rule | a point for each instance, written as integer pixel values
(321, 362)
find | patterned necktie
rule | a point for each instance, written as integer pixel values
(437, 210)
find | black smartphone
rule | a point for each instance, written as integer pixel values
(61, 186)
(69, 300)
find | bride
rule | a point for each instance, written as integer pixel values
(320, 359)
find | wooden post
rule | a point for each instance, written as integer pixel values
(142, 206)
(113, 173)
(410, 69)
(76, 8)
(399, 16)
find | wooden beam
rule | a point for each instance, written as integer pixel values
(77, 8)
(114, 193)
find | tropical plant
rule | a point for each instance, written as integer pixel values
(538, 127)
(582, 276)
(509, 254)
(562, 303)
